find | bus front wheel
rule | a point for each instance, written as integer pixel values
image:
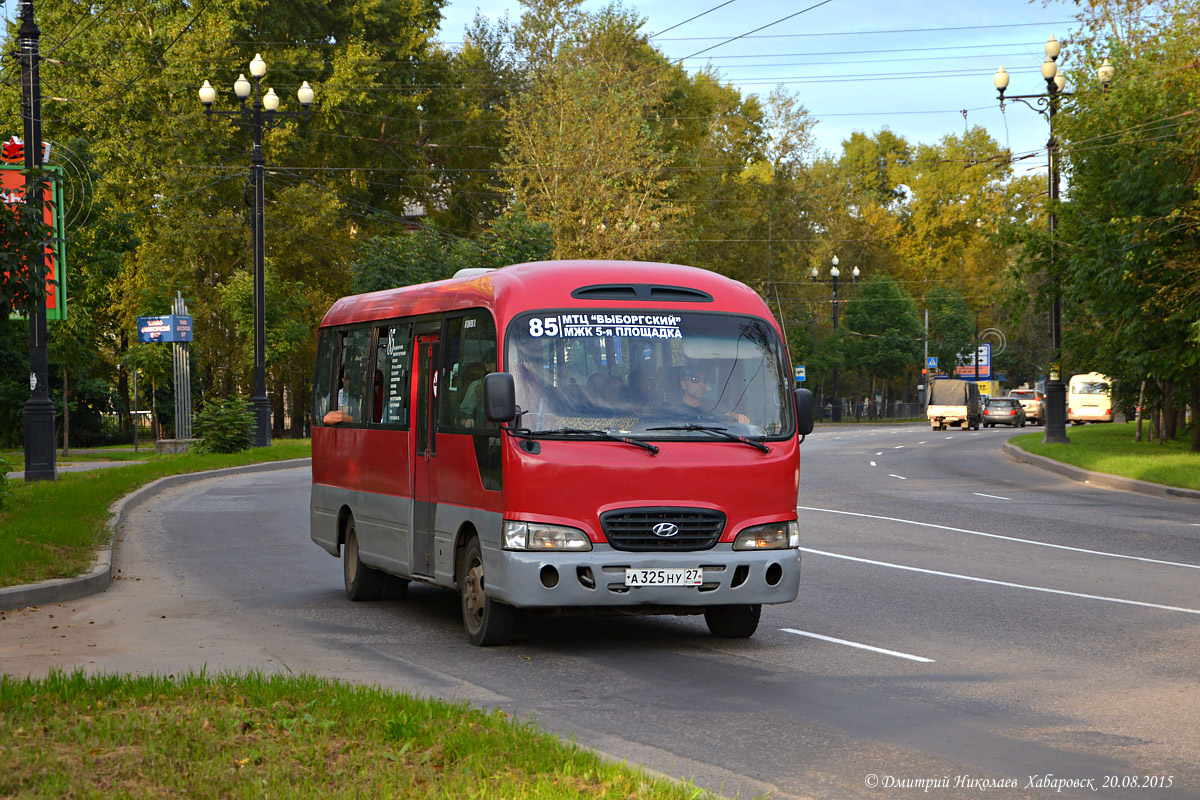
(733, 622)
(488, 622)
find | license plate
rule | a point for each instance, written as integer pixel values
(664, 577)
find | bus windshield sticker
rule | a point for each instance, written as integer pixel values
(638, 326)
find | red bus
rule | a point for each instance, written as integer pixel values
(638, 454)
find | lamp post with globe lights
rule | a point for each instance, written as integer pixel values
(1047, 105)
(832, 280)
(261, 114)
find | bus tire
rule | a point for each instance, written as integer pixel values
(733, 622)
(362, 582)
(488, 622)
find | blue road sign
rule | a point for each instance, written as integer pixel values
(931, 362)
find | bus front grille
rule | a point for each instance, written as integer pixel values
(662, 529)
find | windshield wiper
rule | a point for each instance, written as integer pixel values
(720, 431)
(605, 435)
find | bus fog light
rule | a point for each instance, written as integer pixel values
(775, 536)
(536, 536)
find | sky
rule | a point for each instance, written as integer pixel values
(913, 67)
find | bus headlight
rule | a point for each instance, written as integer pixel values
(775, 536)
(537, 536)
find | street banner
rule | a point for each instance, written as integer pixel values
(12, 191)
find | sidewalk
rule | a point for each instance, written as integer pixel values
(80, 467)
(98, 578)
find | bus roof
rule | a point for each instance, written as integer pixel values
(557, 284)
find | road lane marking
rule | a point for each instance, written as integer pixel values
(898, 447)
(879, 453)
(873, 464)
(993, 496)
(949, 437)
(894, 475)
(858, 645)
(1006, 538)
(974, 579)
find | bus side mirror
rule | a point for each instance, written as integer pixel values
(804, 412)
(499, 397)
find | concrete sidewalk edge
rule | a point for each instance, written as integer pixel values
(1100, 478)
(61, 590)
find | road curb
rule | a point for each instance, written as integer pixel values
(1100, 478)
(98, 578)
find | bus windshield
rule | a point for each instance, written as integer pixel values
(655, 375)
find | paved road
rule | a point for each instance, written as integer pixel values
(962, 617)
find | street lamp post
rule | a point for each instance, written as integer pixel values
(832, 280)
(38, 413)
(262, 114)
(1047, 105)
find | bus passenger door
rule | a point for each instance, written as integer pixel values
(428, 352)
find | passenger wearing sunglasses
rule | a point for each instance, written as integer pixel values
(693, 385)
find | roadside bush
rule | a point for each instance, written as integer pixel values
(224, 426)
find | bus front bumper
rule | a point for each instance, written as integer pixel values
(596, 579)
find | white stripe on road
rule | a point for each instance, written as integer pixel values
(856, 644)
(1002, 583)
(901, 477)
(993, 496)
(1006, 538)
(873, 464)
(898, 447)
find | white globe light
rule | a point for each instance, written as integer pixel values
(241, 87)
(207, 94)
(305, 94)
(258, 67)
(270, 100)
(1049, 68)
(1053, 48)
(1000, 79)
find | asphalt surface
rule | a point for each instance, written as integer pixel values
(967, 626)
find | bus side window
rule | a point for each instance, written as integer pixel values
(324, 384)
(469, 353)
(390, 385)
(352, 397)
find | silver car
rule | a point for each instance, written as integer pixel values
(1003, 411)
(1034, 403)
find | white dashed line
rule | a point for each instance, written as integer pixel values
(894, 475)
(856, 644)
(873, 464)
(993, 496)
(1005, 538)
(974, 579)
(898, 447)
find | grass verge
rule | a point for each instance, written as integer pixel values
(250, 736)
(51, 529)
(1111, 449)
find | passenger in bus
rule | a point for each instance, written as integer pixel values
(347, 406)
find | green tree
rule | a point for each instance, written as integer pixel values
(951, 326)
(1129, 276)
(886, 334)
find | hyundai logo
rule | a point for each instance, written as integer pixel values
(665, 529)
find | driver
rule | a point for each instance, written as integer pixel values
(692, 404)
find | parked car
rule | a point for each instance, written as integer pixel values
(1003, 411)
(1034, 403)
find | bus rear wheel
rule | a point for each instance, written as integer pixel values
(362, 582)
(733, 622)
(488, 622)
